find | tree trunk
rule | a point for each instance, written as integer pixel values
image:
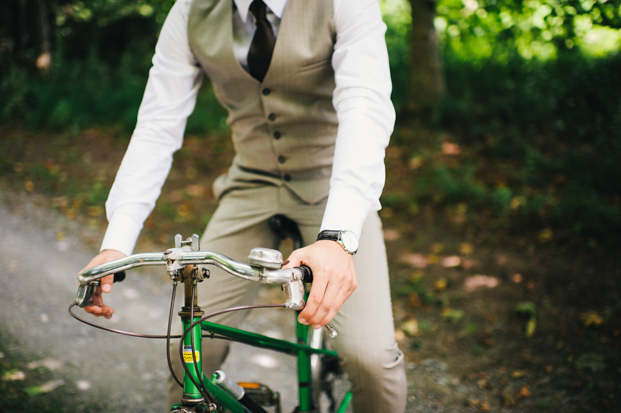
(44, 60)
(426, 80)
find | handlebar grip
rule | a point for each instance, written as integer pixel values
(119, 276)
(307, 274)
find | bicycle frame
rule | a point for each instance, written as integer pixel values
(301, 350)
(184, 265)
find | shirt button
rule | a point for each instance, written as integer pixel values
(281, 159)
(266, 91)
(277, 135)
(287, 177)
(272, 117)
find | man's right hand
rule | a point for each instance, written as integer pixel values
(99, 309)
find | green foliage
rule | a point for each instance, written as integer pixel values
(73, 95)
(526, 309)
(541, 29)
(550, 135)
(536, 117)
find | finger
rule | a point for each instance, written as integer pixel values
(99, 311)
(296, 259)
(342, 296)
(328, 305)
(314, 300)
(94, 310)
(106, 283)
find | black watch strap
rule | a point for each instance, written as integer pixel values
(329, 235)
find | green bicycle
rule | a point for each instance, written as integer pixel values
(317, 365)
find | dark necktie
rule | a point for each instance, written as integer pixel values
(262, 46)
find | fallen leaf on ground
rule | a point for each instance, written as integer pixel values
(416, 162)
(440, 284)
(545, 235)
(13, 375)
(591, 319)
(478, 281)
(410, 327)
(466, 248)
(50, 364)
(484, 384)
(516, 374)
(449, 262)
(449, 314)
(195, 190)
(531, 326)
(415, 260)
(449, 148)
(524, 393)
(399, 335)
(45, 388)
(517, 278)
(548, 369)
(481, 405)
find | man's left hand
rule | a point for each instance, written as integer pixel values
(334, 280)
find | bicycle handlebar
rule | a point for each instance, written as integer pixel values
(177, 258)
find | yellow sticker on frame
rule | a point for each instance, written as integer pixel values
(187, 355)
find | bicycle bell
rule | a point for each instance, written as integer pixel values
(266, 258)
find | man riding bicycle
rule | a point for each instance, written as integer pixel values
(307, 87)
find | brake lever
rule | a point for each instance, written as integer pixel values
(85, 291)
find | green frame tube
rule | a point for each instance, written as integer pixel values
(259, 340)
(300, 349)
(190, 391)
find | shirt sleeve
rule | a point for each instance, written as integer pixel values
(169, 98)
(365, 113)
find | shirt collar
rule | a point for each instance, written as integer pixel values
(276, 6)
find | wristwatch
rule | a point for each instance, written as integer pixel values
(346, 239)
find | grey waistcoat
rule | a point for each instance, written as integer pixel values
(284, 128)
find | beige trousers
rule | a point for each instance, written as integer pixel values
(365, 343)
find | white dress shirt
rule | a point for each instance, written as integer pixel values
(361, 99)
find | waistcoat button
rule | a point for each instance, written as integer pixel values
(266, 91)
(272, 117)
(276, 135)
(287, 177)
(281, 159)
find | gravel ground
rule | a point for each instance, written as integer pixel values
(42, 254)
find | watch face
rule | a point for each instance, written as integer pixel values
(350, 241)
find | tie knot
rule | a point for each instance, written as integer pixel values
(258, 8)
